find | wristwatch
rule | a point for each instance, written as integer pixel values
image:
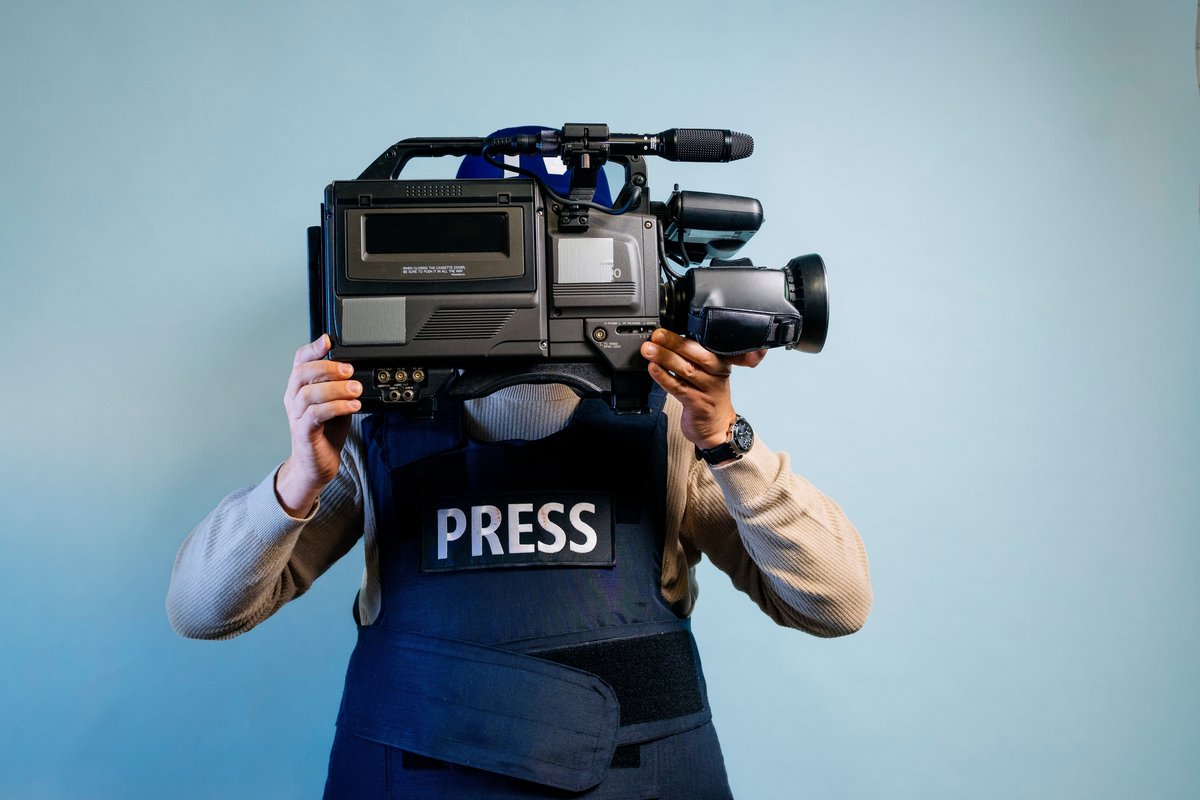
(741, 439)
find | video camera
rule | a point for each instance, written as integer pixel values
(468, 286)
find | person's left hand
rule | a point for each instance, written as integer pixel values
(698, 379)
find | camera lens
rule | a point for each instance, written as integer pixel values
(812, 299)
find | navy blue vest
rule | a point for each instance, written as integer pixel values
(523, 647)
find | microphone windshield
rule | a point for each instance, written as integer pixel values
(704, 144)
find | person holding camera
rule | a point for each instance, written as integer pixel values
(529, 575)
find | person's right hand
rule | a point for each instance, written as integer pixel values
(320, 398)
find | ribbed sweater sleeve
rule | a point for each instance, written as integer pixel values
(248, 558)
(780, 540)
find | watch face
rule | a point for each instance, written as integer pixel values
(743, 435)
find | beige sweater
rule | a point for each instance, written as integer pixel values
(781, 541)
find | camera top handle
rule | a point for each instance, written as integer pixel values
(573, 143)
(389, 164)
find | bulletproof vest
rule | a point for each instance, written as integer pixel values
(522, 644)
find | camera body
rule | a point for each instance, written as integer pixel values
(471, 285)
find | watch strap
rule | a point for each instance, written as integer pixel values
(716, 455)
(727, 450)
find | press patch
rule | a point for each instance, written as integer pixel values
(517, 530)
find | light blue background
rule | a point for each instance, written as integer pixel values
(1006, 197)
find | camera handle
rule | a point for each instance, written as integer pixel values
(389, 164)
(571, 215)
